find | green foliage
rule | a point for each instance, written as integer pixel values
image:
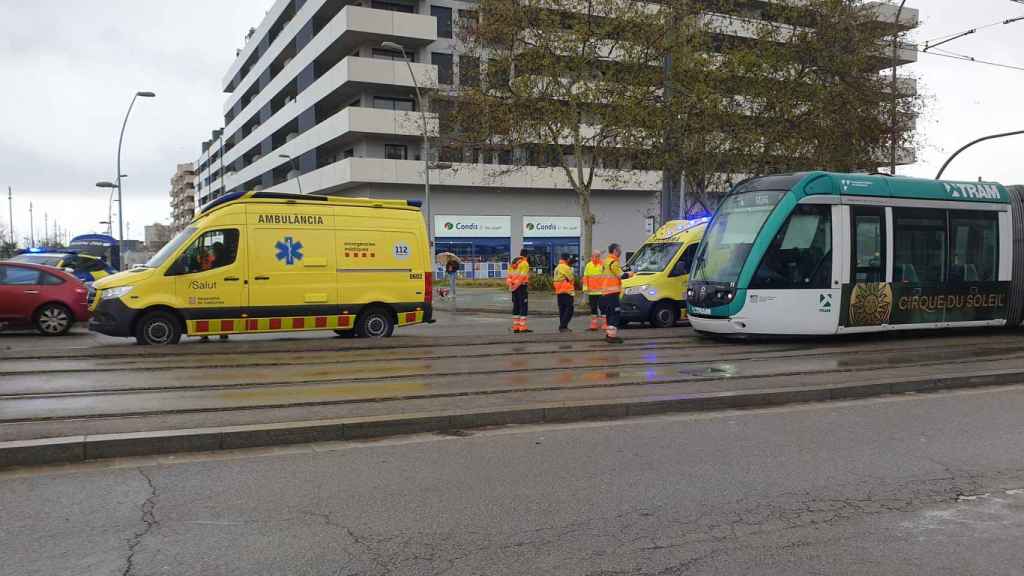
(698, 88)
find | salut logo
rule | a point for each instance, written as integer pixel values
(973, 191)
(530, 226)
(448, 225)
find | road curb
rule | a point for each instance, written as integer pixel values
(72, 449)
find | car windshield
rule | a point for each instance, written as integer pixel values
(170, 248)
(731, 234)
(653, 257)
(44, 259)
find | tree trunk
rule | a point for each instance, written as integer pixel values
(587, 218)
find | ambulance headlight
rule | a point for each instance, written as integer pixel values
(113, 293)
(633, 290)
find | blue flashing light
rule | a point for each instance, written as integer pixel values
(221, 200)
(36, 250)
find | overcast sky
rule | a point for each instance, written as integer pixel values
(69, 69)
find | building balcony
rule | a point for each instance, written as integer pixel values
(350, 76)
(354, 26)
(350, 122)
(352, 172)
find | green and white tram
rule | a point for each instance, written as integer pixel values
(824, 253)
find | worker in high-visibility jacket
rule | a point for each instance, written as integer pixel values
(565, 292)
(518, 280)
(592, 284)
(611, 277)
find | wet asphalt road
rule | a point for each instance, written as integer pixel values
(917, 484)
(93, 384)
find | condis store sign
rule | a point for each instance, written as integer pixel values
(551, 226)
(461, 226)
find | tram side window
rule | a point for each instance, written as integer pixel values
(973, 246)
(800, 255)
(869, 245)
(919, 246)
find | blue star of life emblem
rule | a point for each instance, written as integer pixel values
(289, 250)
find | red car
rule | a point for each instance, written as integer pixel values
(34, 295)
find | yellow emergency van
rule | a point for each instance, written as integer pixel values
(268, 262)
(657, 292)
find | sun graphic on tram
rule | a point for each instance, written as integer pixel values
(870, 304)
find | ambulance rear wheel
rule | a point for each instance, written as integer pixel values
(664, 315)
(375, 323)
(157, 329)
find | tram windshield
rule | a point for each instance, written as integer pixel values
(731, 235)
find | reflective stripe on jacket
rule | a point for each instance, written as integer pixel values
(518, 273)
(612, 275)
(565, 279)
(593, 279)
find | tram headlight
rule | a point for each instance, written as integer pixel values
(113, 293)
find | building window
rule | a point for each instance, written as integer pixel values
(396, 152)
(443, 14)
(348, 153)
(444, 65)
(394, 6)
(469, 71)
(396, 55)
(403, 104)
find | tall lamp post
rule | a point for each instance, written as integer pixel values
(120, 140)
(426, 139)
(294, 164)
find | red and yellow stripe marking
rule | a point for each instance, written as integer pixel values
(286, 324)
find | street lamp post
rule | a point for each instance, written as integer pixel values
(426, 139)
(294, 164)
(972, 143)
(120, 140)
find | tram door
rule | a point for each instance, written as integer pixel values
(867, 299)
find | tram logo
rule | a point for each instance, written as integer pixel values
(870, 304)
(973, 191)
(824, 302)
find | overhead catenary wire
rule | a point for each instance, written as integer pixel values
(929, 44)
(972, 59)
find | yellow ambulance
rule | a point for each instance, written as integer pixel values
(254, 262)
(657, 293)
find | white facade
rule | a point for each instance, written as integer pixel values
(313, 100)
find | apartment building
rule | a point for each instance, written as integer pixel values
(319, 100)
(183, 196)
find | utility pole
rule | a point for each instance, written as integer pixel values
(31, 227)
(10, 214)
(892, 88)
(46, 227)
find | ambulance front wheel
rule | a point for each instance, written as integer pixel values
(375, 323)
(158, 328)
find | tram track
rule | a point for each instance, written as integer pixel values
(328, 357)
(22, 384)
(262, 396)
